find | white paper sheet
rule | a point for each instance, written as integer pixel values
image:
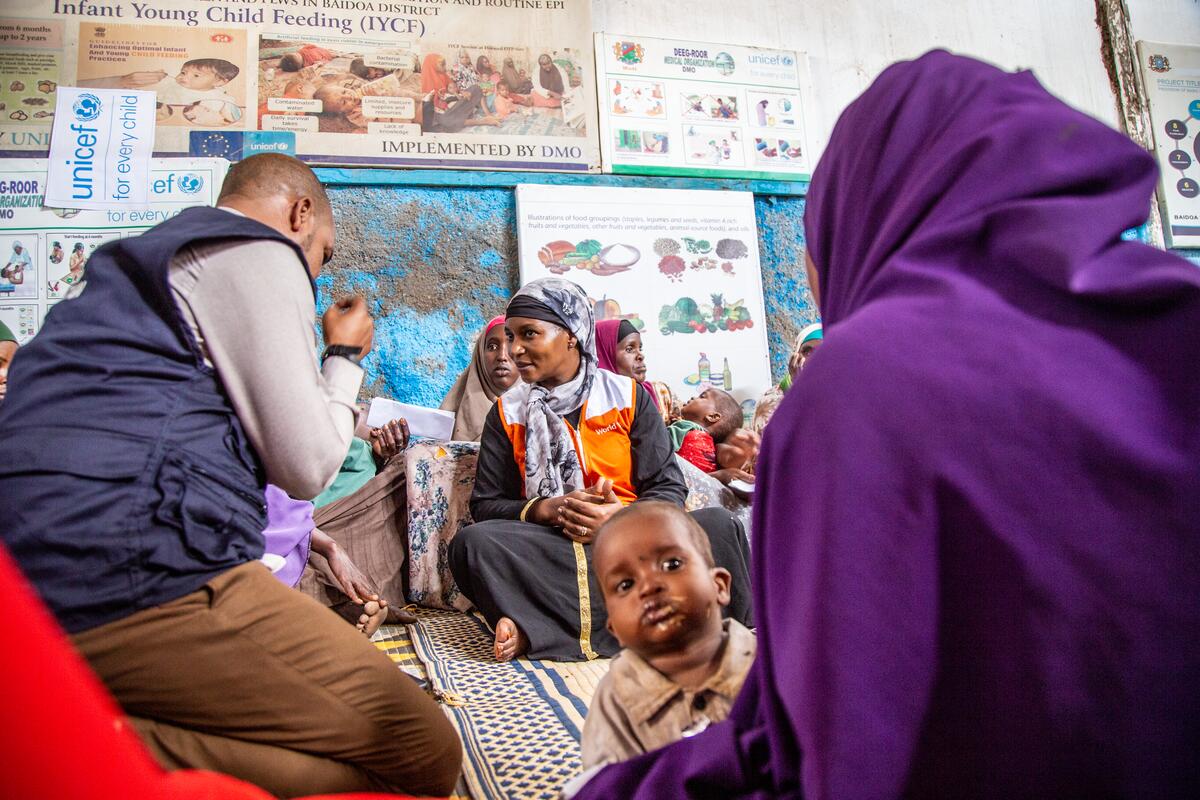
(427, 423)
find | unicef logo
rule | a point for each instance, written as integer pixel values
(786, 60)
(191, 183)
(724, 63)
(87, 107)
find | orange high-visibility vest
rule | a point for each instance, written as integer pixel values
(602, 440)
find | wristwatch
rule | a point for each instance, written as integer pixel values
(354, 354)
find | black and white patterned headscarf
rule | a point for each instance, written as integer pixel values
(551, 466)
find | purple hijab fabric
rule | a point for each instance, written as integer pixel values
(288, 533)
(991, 588)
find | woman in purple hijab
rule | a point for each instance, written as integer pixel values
(991, 587)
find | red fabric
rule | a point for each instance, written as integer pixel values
(61, 733)
(700, 450)
(314, 54)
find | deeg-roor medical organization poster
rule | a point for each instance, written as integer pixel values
(494, 84)
(683, 107)
(44, 252)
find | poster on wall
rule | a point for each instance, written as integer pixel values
(1171, 75)
(100, 148)
(681, 265)
(673, 107)
(501, 84)
(44, 252)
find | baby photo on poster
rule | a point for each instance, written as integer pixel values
(197, 74)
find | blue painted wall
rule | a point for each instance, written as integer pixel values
(436, 256)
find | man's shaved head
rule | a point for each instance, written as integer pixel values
(283, 193)
(271, 175)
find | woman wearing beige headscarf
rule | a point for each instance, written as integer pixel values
(489, 375)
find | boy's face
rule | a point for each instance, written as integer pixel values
(199, 79)
(659, 592)
(701, 409)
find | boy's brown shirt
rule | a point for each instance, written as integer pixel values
(637, 709)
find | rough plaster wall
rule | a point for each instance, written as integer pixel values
(437, 263)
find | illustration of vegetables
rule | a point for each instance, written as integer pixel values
(687, 316)
(560, 256)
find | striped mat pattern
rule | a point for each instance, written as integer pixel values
(520, 721)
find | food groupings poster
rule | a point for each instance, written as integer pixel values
(44, 252)
(685, 107)
(502, 84)
(681, 265)
(1171, 74)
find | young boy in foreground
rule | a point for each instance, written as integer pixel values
(682, 665)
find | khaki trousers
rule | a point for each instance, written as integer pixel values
(256, 680)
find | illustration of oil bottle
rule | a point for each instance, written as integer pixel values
(727, 377)
(705, 369)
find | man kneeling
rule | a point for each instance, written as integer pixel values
(142, 425)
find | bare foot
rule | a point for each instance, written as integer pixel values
(511, 642)
(374, 613)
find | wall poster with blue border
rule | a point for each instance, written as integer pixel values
(1171, 75)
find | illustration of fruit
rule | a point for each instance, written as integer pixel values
(605, 308)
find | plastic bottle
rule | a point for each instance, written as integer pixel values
(705, 369)
(727, 377)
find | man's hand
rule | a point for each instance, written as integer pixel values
(140, 80)
(390, 439)
(353, 583)
(583, 513)
(347, 322)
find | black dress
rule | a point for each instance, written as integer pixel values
(542, 580)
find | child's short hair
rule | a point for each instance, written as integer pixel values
(359, 67)
(661, 509)
(224, 69)
(292, 62)
(731, 415)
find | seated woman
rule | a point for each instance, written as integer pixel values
(978, 567)
(807, 341)
(443, 111)
(619, 350)
(489, 375)
(561, 453)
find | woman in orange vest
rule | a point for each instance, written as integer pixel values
(561, 452)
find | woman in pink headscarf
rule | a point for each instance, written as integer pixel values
(489, 375)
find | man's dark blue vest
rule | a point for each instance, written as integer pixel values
(126, 479)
